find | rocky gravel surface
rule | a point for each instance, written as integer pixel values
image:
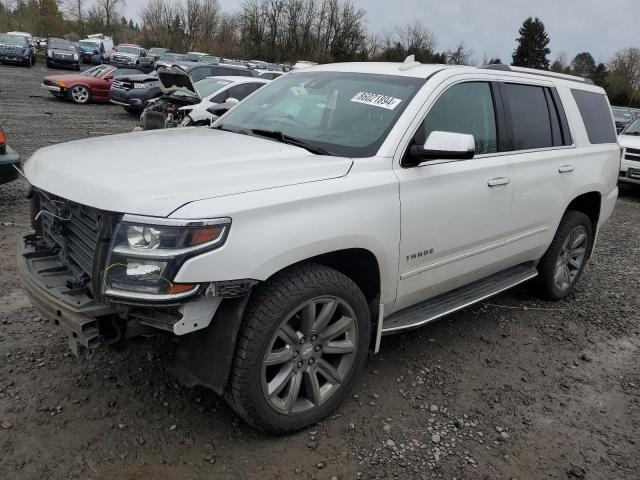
(514, 388)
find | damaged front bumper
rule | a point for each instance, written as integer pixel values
(51, 287)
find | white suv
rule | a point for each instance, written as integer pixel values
(336, 205)
(629, 140)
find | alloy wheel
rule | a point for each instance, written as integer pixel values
(571, 258)
(310, 355)
(80, 94)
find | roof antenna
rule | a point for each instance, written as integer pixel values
(409, 62)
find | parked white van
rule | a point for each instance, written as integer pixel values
(335, 205)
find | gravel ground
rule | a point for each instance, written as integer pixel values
(512, 388)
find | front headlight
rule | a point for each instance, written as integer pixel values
(146, 254)
(142, 85)
(75, 56)
(49, 53)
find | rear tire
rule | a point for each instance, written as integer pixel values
(563, 264)
(291, 368)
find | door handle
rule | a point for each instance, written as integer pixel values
(496, 182)
(566, 169)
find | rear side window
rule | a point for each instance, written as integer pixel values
(530, 120)
(596, 115)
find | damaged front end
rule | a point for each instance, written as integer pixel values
(104, 276)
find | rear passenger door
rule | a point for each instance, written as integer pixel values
(541, 153)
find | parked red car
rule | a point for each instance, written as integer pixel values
(92, 85)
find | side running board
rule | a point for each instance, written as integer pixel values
(442, 305)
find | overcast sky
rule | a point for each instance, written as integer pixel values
(489, 27)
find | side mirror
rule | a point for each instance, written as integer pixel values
(441, 146)
(220, 109)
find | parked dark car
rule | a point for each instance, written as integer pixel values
(157, 52)
(9, 160)
(168, 59)
(133, 92)
(92, 85)
(16, 49)
(61, 53)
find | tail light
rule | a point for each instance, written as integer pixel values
(3, 142)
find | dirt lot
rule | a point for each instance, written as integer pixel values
(513, 388)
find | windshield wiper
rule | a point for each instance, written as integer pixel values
(241, 131)
(281, 137)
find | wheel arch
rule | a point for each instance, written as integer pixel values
(590, 204)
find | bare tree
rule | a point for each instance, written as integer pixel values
(460, 55)
(110, 10)
(624, 73)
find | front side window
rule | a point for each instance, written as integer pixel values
(343, 113)
(464, 108)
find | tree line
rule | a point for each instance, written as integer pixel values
(284, 31)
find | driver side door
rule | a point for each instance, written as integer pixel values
(455, 213)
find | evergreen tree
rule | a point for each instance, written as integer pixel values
(532, 50)
(583, 65)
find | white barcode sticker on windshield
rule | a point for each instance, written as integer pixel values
(376, 100)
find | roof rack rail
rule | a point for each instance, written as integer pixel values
(409, 62)
(541, 73)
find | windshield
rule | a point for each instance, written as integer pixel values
(346, 114)
(633, 128)
(132, 50)
(88, 44)
(98, 71)
(210, 59)
(157, 51)
(62, 46)
(207, 86)
(13, 40)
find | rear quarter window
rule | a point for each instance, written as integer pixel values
(596, 115)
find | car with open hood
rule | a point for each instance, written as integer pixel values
(16, 49)
(336, 205)
(92, 85)
(226, 92)
(134, 92)
(629, 140)
(180, 89)
(62, 53)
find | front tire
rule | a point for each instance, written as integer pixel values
(79, 94)
(563, 264)
(304, 338)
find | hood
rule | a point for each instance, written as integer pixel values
(175, 78)
(155, 172)
(629, 141)
(124, 54)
